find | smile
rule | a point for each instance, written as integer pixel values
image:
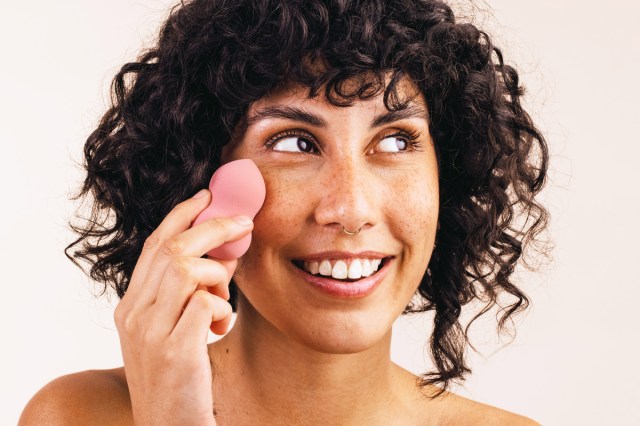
(347, 270)
(349, 288)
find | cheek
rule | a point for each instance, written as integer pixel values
(283, 204)
(414, 213)
(281, 219)
(412, 206)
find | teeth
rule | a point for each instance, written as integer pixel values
(375, 264)
(340, 270)
(355, 269)
(325, 268)
(366, 268)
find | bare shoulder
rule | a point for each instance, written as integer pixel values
(87, 397)
(450, 408)
(458, 410)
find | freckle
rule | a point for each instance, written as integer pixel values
(227, 350)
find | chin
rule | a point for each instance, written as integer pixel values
(341, 347)
(342, 337)
(322, 325)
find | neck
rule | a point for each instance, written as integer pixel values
(262, 373)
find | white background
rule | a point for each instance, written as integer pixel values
(574, 361)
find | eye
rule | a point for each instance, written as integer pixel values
(393, 143)
(400, 142)
(292, 141)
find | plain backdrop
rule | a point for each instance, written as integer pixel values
(574, 360)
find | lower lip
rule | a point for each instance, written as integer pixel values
(355, 289)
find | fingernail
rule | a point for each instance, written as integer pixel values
(200, 193)
(243, 220)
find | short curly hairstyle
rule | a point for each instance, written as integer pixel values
(181, 101)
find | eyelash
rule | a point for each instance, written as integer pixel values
(411, 137)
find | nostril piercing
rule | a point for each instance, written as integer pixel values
(350, 232)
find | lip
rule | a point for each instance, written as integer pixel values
(341, 289)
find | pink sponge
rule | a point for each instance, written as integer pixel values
(237, 188)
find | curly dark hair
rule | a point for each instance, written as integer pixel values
(183, 99)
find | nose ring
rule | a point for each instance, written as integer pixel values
(357, 231)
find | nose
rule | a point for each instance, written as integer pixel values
(347, 195)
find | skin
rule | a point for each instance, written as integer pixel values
(351, 178)
(294, 351)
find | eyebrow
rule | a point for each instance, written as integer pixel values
(299, 114)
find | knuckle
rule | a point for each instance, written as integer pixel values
(224, 274)
(228, 309)
(169, 356)
(124, 320)
(216, 225)
(119, 316)
(128, 325)
(172, 247)
(150, 337)
(224, 308)
(202, 299)
(151, 241)
(181, 267)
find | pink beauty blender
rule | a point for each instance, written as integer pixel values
(237, 188)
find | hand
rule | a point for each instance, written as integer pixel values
(173, 298)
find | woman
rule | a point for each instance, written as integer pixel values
(398, 162)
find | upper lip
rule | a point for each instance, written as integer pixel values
(369, 254)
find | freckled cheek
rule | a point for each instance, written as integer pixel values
(414, 213)
(284, 210)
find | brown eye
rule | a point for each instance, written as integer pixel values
(294, 141)
(293, 144)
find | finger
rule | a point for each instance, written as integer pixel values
(184, 276)
(178, 220)
(229, 265)
(193, 242)
(201, 311)
(221, 327)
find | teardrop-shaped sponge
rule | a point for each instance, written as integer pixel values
(237, 188)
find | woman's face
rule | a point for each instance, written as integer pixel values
(326, 167)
